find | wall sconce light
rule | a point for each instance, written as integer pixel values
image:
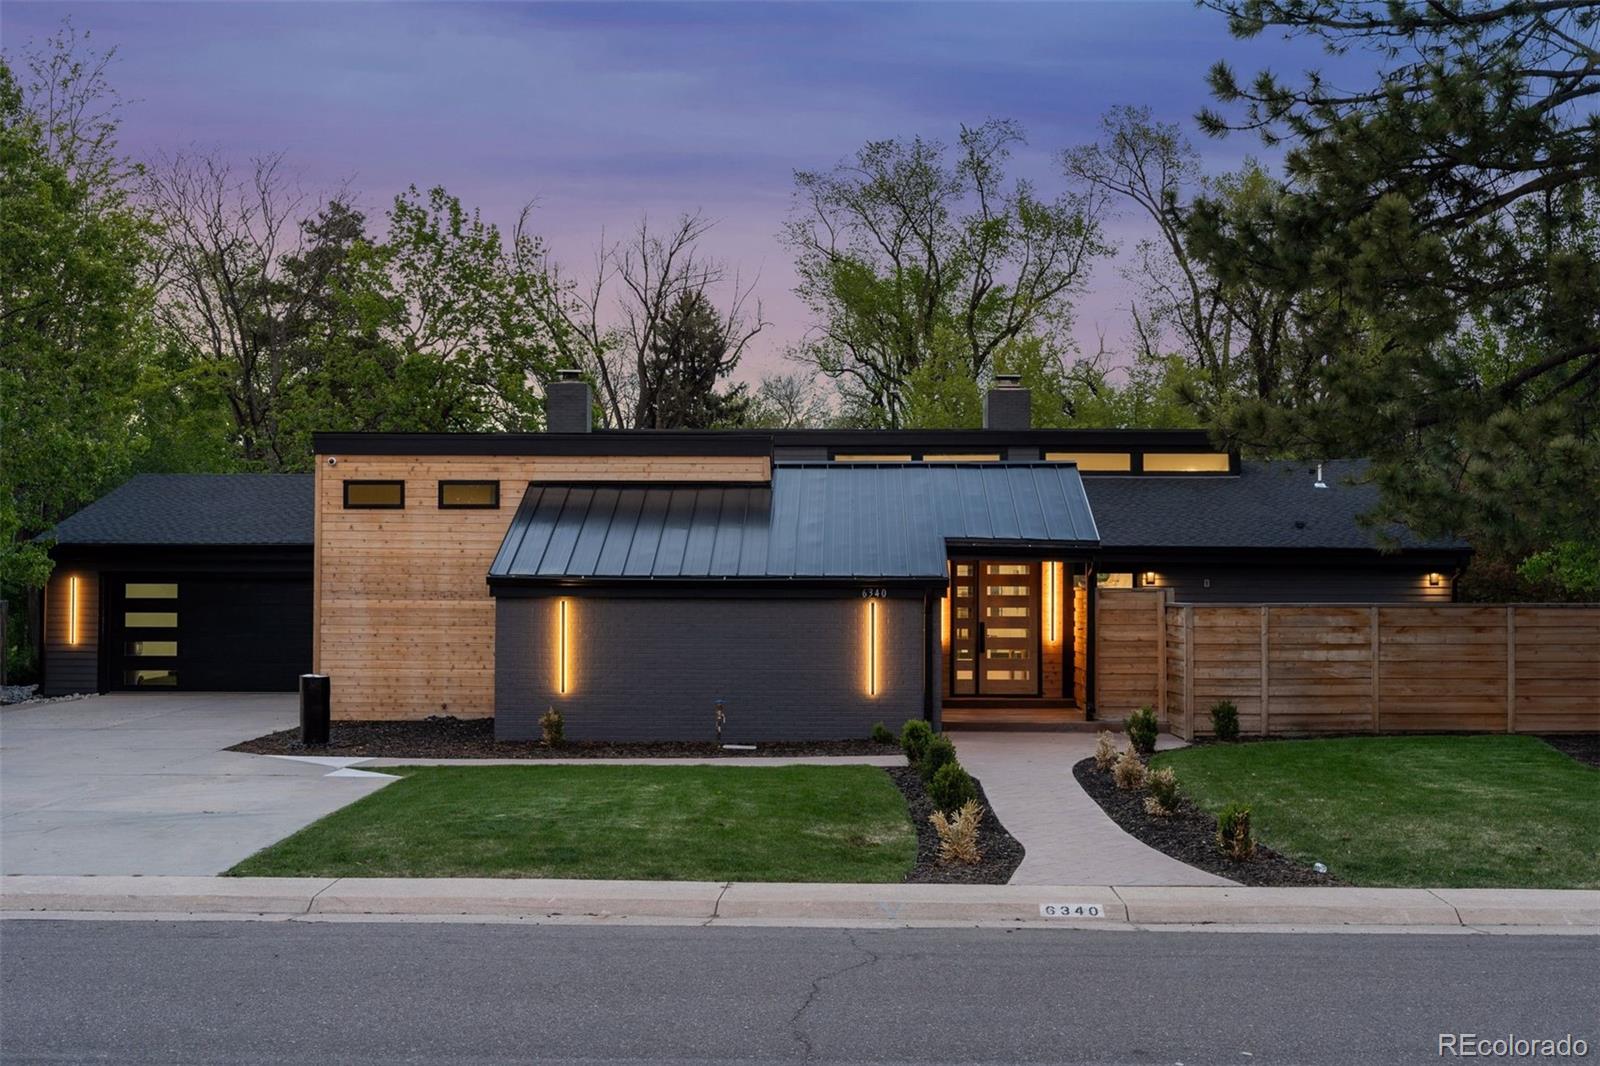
(72, 610)
(563, 645)
(1150, 577)
(1434, 580)
(872, 647)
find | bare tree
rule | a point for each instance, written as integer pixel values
(614, 317)
(227, 292)
(790, 401)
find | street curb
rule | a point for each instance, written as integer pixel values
(1141, 905)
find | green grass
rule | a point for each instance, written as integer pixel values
(670, 823)
(1457, 812)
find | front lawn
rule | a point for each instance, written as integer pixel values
(671, 823)
(1459, 812)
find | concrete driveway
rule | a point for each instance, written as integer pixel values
(138, 783)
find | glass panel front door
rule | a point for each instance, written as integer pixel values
(994, 627)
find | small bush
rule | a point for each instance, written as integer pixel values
(952, 787)
(915, 736)
(1225, 721)
(1105, 750)
(1129, 771)
(881, 734)
(940, 753)
(1142, 729)
(958, 836)
(1233, 832)
(1163, 798)
(552, 728)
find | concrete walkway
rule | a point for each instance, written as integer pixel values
(139, 783)
(1069, 840)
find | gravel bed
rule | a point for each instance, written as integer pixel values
(1189, 835)
(17, 695)
(473, 738)
(1585, 747)
(1002, 852)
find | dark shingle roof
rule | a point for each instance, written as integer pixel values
(842, 521)
(1268, 505)
(197, 509)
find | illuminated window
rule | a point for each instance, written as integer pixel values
(1008, 590)
(1094, 462)
(1008, 612)
(1005, 632)
(1186, 463)
(1010, 568)
(481, 495)
(963, 457)
(150, 619)
(150, 590)
(147, 648)
(1115, 581)
(374, 495)
(150, 678)
(861, 457)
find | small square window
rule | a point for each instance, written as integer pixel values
(150, 590)
(150, 678)
(469, 494)
(374, 495)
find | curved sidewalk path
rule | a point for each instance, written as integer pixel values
(1069, 840)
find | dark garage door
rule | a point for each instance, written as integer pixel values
(208, 633)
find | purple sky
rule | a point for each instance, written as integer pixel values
(601, 111)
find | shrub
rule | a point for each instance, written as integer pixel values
(958, 836)
(940, 753)
(1163, 798)
(1105, 750)
(552, 727)
(1142, 729)
(881, 734)
(1225, 721)
(1233, 832)
(1129, 771)
(951, 787)
(915, 736)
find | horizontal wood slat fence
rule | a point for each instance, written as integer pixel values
(1298, 669)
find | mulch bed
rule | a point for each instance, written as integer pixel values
(1585, 747)
(1189, 835)
(473, 738)
(1002, 852)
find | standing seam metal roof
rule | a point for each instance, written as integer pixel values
(866, 521)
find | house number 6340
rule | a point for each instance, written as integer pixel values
(874, 594)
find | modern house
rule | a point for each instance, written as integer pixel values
(808, 582)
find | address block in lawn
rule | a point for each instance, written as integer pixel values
(670, 823)
(1431, 811)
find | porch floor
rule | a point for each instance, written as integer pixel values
(1015, 716)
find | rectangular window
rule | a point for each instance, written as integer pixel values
(150, 590)
(1116, 581)
(374, 495)
(150, 619)
(1007, 590)
(147, 648)
(150, 678)
(1095, 462)
(1186, 463)
(481, 495)
(963, 457)
(864, 457)
(1009, 568)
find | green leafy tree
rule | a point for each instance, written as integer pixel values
(1436, 229)
(901, 250)
(73, 311)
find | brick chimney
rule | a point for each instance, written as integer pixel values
(1007, 405)
(568, 407)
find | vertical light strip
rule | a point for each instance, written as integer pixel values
(872, 647)
(949, 594)
(72, 610)
(562, 668)
(1057, 578)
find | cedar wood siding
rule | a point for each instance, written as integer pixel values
(405, 625)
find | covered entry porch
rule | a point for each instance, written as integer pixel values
(1016, 626)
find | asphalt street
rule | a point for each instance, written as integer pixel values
(251, 992)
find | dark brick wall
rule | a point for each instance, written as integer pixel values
(652, 669)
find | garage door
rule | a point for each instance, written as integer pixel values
(208, 633)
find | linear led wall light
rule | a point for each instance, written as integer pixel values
(563, 644)
(72, 610)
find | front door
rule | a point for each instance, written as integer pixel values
(994, 632)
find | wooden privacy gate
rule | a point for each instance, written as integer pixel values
(1296, 669)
